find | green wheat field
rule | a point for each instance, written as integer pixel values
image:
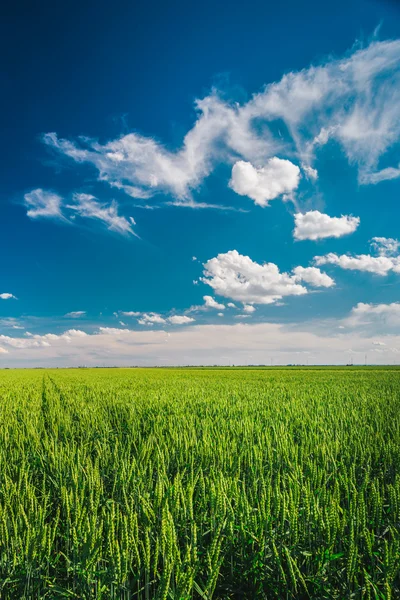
(200, 483)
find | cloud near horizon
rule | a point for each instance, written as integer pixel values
(238, 343)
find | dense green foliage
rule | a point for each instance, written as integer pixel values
(156, 484)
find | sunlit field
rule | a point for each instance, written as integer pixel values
(236, 483)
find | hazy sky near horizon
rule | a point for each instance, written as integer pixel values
(214, 184)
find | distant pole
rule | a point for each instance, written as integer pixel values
(365, 363)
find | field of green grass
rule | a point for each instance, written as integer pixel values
(177, 484)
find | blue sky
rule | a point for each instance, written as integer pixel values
(193, 185)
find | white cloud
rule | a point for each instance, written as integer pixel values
(277, 177)
(364, 314)
(11, 323)
(354, 101)
(382, 175)
(385, 246)
(249, 308)
(113, 331)
(380, 265)
(231, 305)
(240, 343)
(310, 172)
(41, 341)
(45, 204)
(180, 319)
(235, 276)
(7, 296)
(41, 203)
(209, 302)
(87, 206)
(151, 318)
(75, 314)
(314, 225)
(313, 276)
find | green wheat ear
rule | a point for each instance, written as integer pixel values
(186, 484)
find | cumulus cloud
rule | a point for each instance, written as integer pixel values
(235, 276)
(43, 204)
(379, 265)
(249, 308)
(385, 246)
(209, 302)
(41, 341)
(151, 319)
(115, 331)
(87, 206)
(310, 172)
(277, 177)
(7, 296)
(364, 314)
(353, 101)
(313, 276)
(314, 225)
(75, 314)
(180, 320)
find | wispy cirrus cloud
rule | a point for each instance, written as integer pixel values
(43, 204)
(87, 206)
(354, 101)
